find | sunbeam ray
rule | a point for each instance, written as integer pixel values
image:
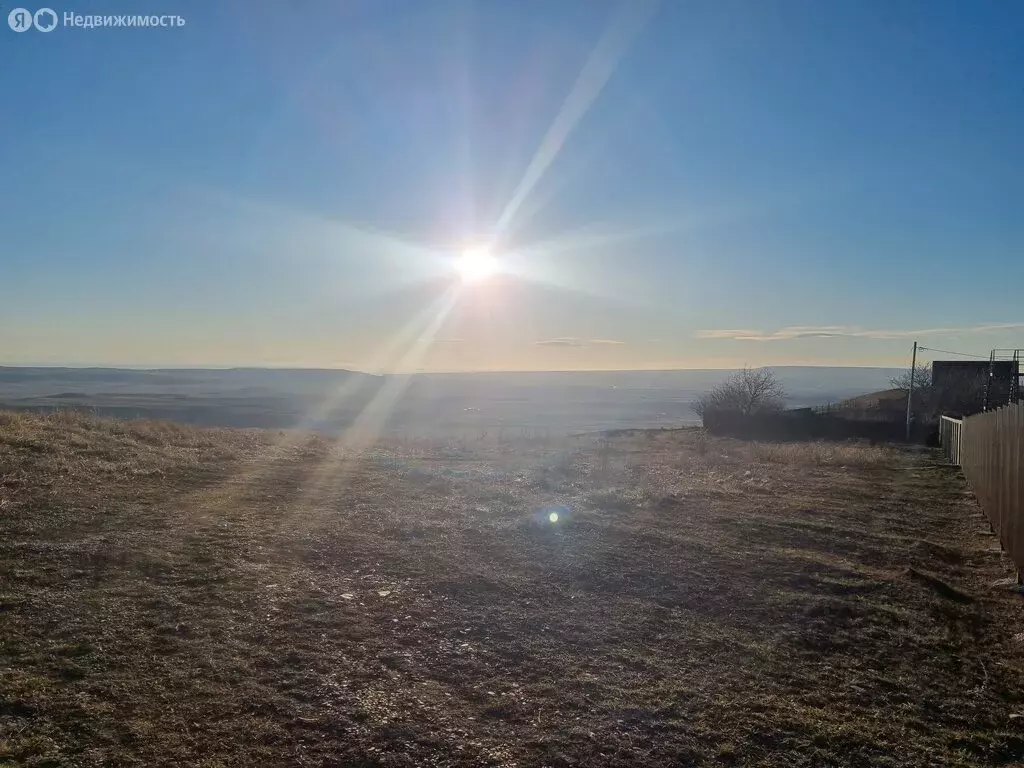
(590, 236)
(366, 428)
(620, 33)
(269, 224)
(283, 449)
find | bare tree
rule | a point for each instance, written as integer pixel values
(747, 391)
(924, 395)
(961, 396)
(922, 378)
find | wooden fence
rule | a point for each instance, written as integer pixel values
(950, 432)
(989, 446)
(806, 424)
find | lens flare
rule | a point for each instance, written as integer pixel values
(475, 264)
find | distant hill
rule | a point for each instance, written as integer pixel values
(233, 397)
(289, 378)
(885, 399)
(425, 403)
(888, 405)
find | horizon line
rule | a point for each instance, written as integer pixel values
(121, 367)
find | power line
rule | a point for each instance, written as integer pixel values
(950, 352)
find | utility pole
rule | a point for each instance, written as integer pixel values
(910, 392)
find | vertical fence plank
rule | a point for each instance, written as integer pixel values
(994, 474)
(989, 452)
(1016, 483)
(1002, 468)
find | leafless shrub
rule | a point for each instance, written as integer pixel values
(747, 391)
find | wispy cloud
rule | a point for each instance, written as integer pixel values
(449, 341)
(564, 341)
(571, 341)
(849, 332)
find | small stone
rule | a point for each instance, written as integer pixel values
(1010, 583)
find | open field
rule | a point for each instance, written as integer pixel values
(174, 596)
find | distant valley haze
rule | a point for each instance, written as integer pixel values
(434, 404)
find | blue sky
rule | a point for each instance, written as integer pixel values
(674, 185)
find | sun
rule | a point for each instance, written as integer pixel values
(475, 264)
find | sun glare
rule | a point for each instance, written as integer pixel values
(475, 264)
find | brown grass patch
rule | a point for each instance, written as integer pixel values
(175, 596)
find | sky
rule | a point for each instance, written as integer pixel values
(681, 184)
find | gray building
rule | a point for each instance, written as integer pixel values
(959, 386)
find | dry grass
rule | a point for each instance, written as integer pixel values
(173, 596)
(823, 454)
